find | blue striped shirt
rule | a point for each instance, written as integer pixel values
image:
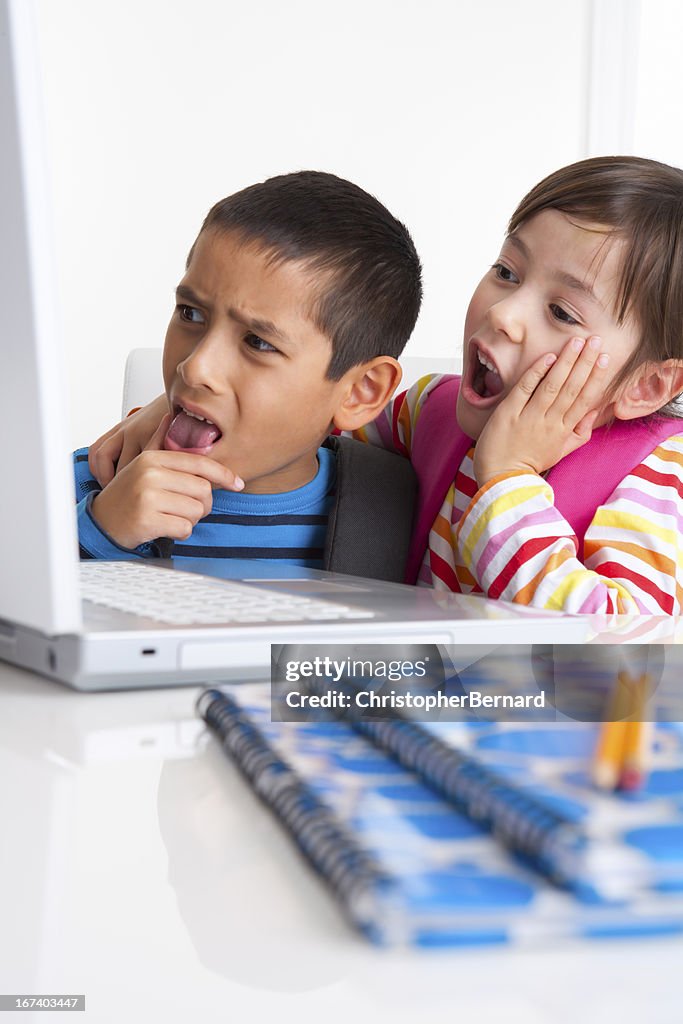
(290, 527)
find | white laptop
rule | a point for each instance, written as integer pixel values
(108, 625)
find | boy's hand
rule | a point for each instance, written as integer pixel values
(548, 413)
(116, 449)
(160, 494)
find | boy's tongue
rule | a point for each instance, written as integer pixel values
(189, 434)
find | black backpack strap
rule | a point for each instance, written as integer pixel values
(370, 525)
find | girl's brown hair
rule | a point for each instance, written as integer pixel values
(640, 201)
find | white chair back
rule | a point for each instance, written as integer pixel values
(142, 378)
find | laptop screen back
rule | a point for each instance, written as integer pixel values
(38, 546)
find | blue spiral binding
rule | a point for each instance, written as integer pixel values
(523, 823)
(549, 841)
(353, 873)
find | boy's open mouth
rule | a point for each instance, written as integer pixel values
(190, 432)
(485, 380)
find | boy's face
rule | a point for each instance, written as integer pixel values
(553, 281)
(242, 353)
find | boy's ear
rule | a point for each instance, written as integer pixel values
(369, 386)
(650, 388)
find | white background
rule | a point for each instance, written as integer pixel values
(448, 112)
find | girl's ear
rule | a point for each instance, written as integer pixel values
(652, 386)
(369, 387)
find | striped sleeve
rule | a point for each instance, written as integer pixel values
(93, 542)
(518, 547)
(393, 428)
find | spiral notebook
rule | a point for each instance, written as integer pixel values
(410, 868)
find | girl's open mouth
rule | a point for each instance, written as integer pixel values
(483, 384)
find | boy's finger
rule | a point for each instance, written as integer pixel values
(103, 456)
(174, 485)
(131, 450)
(175, 527)
(201, 466)
(185, 506)
(156, 441)
(104, 437)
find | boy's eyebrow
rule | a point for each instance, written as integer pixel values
(258, 326)
(560, 275)
(185, 293)
(255, 324)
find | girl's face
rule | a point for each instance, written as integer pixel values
(554, 280)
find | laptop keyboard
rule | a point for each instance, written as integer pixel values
(186, 599)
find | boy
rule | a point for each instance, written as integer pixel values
(299, 295)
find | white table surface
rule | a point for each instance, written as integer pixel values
(139, 869)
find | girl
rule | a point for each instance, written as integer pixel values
(559, 481)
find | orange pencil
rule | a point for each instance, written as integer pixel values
(638, 740)
(609, 754)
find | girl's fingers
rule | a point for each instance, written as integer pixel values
(584, 384)
(591, 394)
(584, 428)
(527, 385)
(569, 385)
(565, 379)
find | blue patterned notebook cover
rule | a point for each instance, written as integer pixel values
(455, 884)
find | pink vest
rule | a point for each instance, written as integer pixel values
(581, 482)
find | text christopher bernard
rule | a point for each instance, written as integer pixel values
(395, 700)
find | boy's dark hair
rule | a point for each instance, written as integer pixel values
(640, 201)
(370, 292)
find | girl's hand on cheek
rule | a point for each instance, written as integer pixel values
(548, 413)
